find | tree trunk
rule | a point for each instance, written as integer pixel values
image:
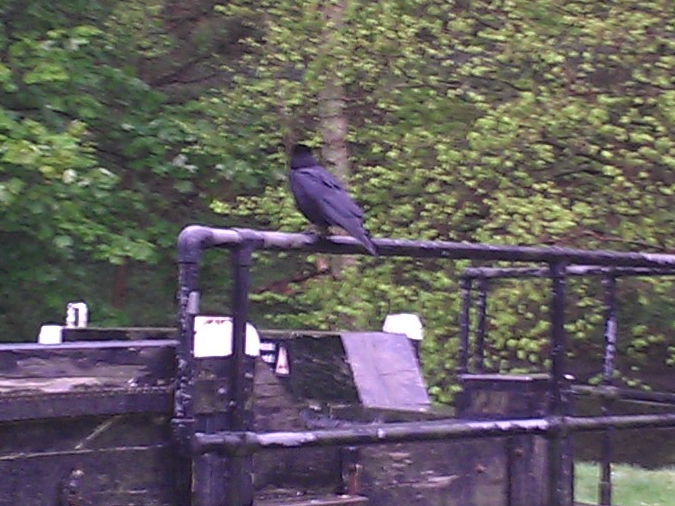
(332, 105)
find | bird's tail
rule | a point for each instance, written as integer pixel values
(368, 243)
(358, 231)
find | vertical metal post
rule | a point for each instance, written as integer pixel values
(560, 486)
(187, 284)
(183, 421)
(557, 355)
(605, 485)
(240, 486)
(510, 470)
(241, 263)
(464, 324)
(481, 306)
(609, 285)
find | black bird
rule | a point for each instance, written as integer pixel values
(322, 199)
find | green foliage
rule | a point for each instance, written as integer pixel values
(96, 170)
(542, 122)
(632, 485)
(518, 122)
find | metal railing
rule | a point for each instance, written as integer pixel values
(606, 391)
(239, 442)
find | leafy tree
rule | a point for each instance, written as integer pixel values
(520, 122)
(516, 122)
(97, 167)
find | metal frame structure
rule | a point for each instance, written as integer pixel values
(606, 391)
(203, 439)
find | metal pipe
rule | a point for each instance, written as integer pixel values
(510, 469)
(464, 324)
(605, 485)
(572, 270)
(183, 410)
(205, 237)
(240, 444)
(609, 286)
(240, 482)
(194, 239)
(248, 442)
(244, 443)
(557, 353)
(557, 461)
(481, 307)
(183, 421)
(593, 423)
(241, 262)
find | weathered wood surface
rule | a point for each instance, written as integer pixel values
(486, 472)
(110, 363)
(467, 473)
(304, 470)
(119, 333)
(73, 379)
(487, 396)
(319, 370)
(53, 432)
(123, 460)
(386, 371)
(367, 369)
(59, 392)
(56, 445)
(495, 396)
(32, 406)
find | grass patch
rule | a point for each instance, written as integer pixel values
(631, 486)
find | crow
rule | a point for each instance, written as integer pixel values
(322, 199)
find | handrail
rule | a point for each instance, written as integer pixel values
(243, 443)
(572, 270)
(559, 263)
(196, 238)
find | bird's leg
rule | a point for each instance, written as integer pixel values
(324, 231)
(316, 230)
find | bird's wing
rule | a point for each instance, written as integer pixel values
(323, 199)
(329, 193)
